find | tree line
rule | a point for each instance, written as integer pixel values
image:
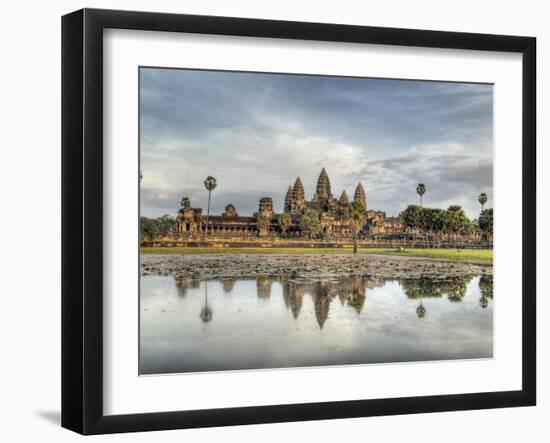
(151, 228)
(452, 221)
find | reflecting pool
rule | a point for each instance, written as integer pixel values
(191, 325)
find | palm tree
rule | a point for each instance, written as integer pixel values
(482, 199)
(421, 190)
(210, 184)
(357, 219)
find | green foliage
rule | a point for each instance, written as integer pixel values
(452, 220)
(412, 216)
(310, 224)
(151, 228)
(357, 217)
(284, 220)
(263, 222)
(456, 219)
(432, 219)
(147, 228)
(486, 221)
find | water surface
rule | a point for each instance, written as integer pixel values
(189, 325)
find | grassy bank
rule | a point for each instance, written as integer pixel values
(476, 256)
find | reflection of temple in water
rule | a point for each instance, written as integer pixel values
(228, 284)
(293, 296)
(263, 285)
(184, 283)
(351, 290)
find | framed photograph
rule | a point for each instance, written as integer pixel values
(268, 221)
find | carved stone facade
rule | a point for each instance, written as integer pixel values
(331, 212)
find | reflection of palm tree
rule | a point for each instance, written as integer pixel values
(419, 288)
(483, 302)
(486, 286)
(210, 184)
(486, 289)
(420, 310)
(206, 311)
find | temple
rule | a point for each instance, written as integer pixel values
(331, 217)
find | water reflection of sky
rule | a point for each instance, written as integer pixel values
(189, 325)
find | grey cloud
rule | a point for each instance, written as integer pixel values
(257, 132)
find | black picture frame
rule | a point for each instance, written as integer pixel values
(82, 218)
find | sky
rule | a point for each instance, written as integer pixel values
(256, 132)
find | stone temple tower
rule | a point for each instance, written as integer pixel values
(360, 195)
(298, 196)
(323, 186)
(265, 207)
(288, 200)
(344, 200)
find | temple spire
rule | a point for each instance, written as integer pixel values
(323, 185)
(288, 199)
(344, 199)
(360, 195)
(298, 193)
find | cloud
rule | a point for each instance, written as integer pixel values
(257, 132)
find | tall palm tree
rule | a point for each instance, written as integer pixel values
(210, 184)
(482, 199)
(421, 190)
(357, 219)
